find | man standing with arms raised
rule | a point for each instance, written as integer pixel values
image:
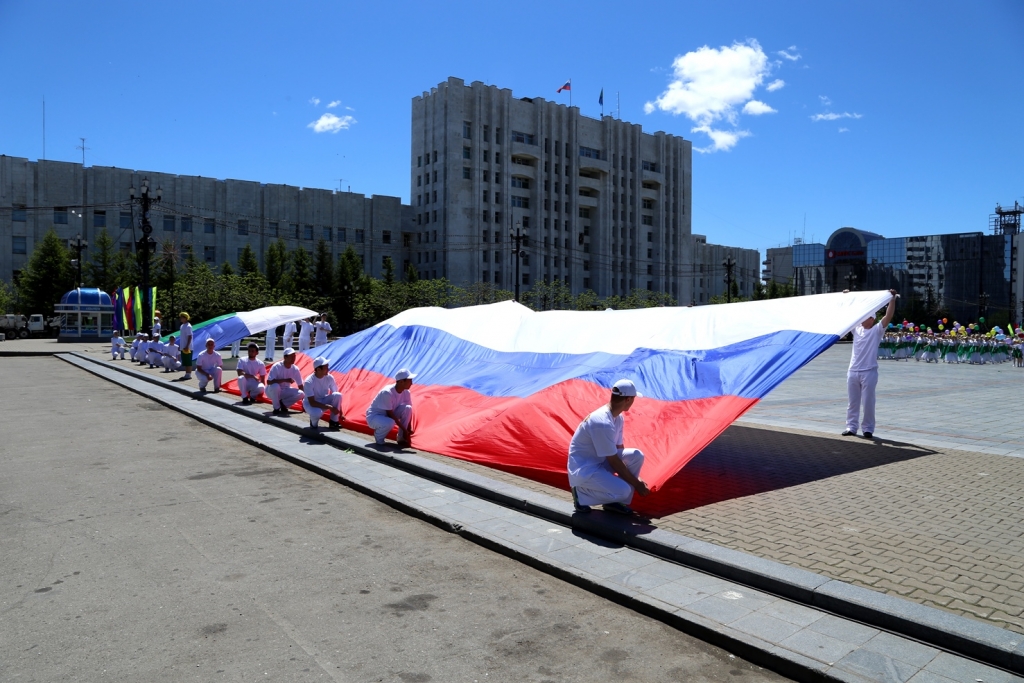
(862, 377)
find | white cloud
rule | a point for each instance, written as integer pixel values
(831, 116)
(314, 101)
(721, 140)
(333, 104)
(329, 123)
(349, 108)
(777, 84)
(825, 101)
(790, 53)
(844, 130)
(756, 108)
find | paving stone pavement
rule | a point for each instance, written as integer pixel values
(940, 526)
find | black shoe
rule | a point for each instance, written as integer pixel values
(576, 502)
(849, 433)
(334, 426)
(275, 411)
(284, 412)
(867, 435)
(617, 508)
(246, 400)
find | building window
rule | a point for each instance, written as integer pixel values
(272, 229)
(342, 237)
(649, 166)
(526, 224)
(383, 260)
(435, 156)
(435, 176)
(208, 226)
(186, 224)
(99, 219)
(210, 254)
(485, 255)
(243, 227)
(524, 138)
(125, 220)
(467, 153)
(18, 244)
(586, 266)
(650, 253)
(19, 214)
(650, 269)
(649, 186)
(523, 183)
(647, 203)
(486, 233)
(359, 235)
(328, 233)
(522, 161)
(435, 197)
(419, 161)
(497, 216)
(465, 173)
(517, 202)
(647, 220)
(589, 152)
(487, 133)
(435, 236)
(487, 216)
(650, 237)
(307, 232)
(497, 198)
(486, 196)
(385, 237)
(497, 177)
(467, 130)
(60, 215)
(584, 212)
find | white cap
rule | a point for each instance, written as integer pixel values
(320, 360)
(289, 351)
(625, 388)
(404, 374)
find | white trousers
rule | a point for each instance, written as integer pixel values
(604, 486)
(271, 343)
(251, 388)
(284, 395)
(303, 343)
(114, 353)
(204, 380)
(286, 341)
(333, 414)
(860, 388)
(235, 348)
(170, 363)
(382, 424)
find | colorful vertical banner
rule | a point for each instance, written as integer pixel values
(138, 310)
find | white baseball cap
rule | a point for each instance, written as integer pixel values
(404, 374)
(625, 388)
(289, 351)
(320, 360)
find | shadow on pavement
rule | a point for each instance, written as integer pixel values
(744, 461)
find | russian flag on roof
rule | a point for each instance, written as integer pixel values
(567, 86)
(506, 386)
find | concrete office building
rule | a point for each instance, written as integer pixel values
(216, 219)
(603, 205)
(709, 276)
(778, 264)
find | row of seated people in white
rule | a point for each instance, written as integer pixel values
(148, 350)
(319, 394)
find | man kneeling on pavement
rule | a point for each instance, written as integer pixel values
(283, 383)
(601, 470)
(209, 366)
(393, 406)
(322, 396)
(252, 375)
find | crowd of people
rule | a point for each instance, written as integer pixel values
(959, 344)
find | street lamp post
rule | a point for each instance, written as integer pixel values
(729, 263)
(145, 199)
(518, 238)
(78, 244)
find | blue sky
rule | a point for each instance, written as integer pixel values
(918, 104)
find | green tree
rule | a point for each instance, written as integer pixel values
(47, 276)
(247, 262)
(166, 276)
(6, 298)
(348, 283)
(411, 274)
(100, 271)
(277, 263)
(125, 270)
(759, 292)
(389, 271)
(299, 275)
(478, 293)
(226, 269)
(323, 270)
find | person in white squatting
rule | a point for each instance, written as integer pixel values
(289, 334)
(862, 377)
(322, 396)
(209, 366)
(305, 330)
(169, 358)
(133, 350)
(322, 329)
(283, 382)
(154, 351)
(393, 406)
(601, 470)
(252, 375)
(271, 343)
(117, 345)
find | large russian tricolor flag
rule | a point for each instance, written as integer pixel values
(505, 386)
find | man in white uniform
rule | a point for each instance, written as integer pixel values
(283, 382)
(322, 329)
(236, 346)
(156, 323)
(169, 357)
(209, 366)
(289, 335)
(305, 330)
(154, 350)
(133, 351)
(601, 470)
(117, 346)
(393, 405)
(271, 343)
(322, 396)
(185, 345)
(862, 377)
(252, 375)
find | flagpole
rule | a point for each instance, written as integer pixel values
(570, 93)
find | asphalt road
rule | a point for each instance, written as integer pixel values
(138, 545)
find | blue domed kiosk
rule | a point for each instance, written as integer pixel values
(85, 316)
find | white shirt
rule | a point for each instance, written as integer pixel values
(289, 330)
(185, 337)
(116, 343)
(319, 388)
(305, 330)
(156, 327)
(254, 367)
(598, 437)
(865, 347)
(279, 371)
(388, 399)
(209, 361)
(322, 328)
